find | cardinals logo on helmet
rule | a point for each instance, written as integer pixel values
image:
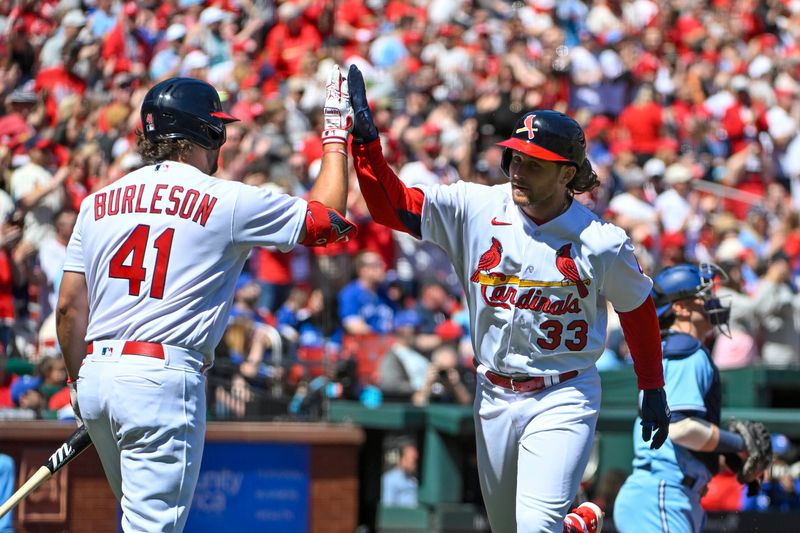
(566, 265)
(489, 260)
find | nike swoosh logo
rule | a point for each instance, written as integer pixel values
(496, 222)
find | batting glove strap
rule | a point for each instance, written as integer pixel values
(335, 135)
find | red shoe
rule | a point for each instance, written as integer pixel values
(586, 518)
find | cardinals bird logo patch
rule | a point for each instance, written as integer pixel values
(566, 265)
(490, 259)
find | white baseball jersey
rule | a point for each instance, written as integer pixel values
(536, 293)
(162, 249)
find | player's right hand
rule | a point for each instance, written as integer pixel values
(73, 400)
(364, 130)
(655, 417)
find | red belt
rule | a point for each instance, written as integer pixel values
(527, 384)
(148, 349)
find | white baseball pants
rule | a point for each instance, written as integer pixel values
(533, 449)
(147, 420)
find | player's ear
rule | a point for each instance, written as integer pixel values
(568, 173)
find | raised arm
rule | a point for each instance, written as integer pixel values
(390, 202)
(327, 199)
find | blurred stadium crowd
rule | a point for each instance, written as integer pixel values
(691, 110)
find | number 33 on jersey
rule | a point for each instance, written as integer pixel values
(548, 282)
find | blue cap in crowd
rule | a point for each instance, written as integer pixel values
(24, 384)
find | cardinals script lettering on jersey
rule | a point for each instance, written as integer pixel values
(502, 290)
(171, 200)
(533, 299)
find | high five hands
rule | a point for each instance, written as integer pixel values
(364, 130)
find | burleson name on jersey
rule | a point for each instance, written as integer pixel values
(178, 201)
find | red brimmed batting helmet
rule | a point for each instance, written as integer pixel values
(185, 108)
(546, 134)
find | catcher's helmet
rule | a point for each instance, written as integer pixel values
(546, 134)
(681, 282)
(185, 108)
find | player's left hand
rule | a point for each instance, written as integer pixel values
(655, 417)
(364, 130)
(337, 112)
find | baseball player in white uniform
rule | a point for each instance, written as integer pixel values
(149, 279)
(537, 268)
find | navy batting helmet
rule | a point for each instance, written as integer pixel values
(546, 134)
(685, 281)
(185, 108)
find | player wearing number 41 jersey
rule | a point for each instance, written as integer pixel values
(537, 269)
(149, 279)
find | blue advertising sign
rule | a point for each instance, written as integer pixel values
(252, 487)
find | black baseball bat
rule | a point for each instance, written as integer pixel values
(72, 448)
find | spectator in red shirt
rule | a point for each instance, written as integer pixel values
(643, 120)
(125, 48)
(289, 41)
(745, 118)
(61, 81)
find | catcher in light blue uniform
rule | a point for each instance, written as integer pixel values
(663, 492)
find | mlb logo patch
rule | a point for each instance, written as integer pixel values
(107, 351)
(149, 123)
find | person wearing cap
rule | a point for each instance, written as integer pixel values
(149, 279)
(632, 206)
(214, 44)
(25, 393)
(71, 25)
(663, 492)
(674, 205)
(167, 61)
(537, 268)
(38, 192)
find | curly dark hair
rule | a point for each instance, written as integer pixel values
(585, 179)
(163, 150)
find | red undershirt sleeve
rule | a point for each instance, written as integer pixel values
(390, 202)
(643, 336)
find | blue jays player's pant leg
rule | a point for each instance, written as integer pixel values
(532, 451)
(7, 479)
(646, 504)
(150, 425)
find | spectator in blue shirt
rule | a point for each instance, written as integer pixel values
(364, 307)
(399, 485)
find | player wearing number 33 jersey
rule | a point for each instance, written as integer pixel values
(150, 273)
(537, 268)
